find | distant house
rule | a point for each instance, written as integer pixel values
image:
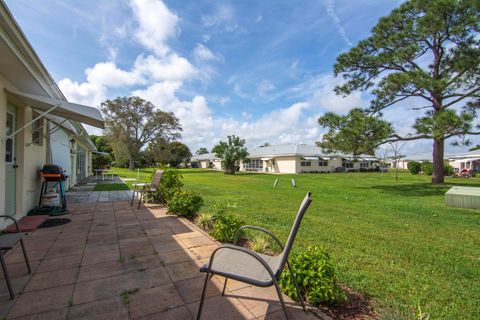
(468, 160)
(402, 163)
(302, 158)
(293, 158)
(37, 123)
(206, 161)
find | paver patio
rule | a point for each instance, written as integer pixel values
(115, 262)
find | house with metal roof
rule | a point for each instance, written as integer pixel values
(302, 158)
(206, 161)
(468, 160)
(293, 158)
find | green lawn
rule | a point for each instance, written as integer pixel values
(110, 187)
(396, 242)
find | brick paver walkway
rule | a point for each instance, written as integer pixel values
(115, 262)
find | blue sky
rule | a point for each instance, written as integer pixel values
(259, 69)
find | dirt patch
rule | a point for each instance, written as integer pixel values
(357, 307)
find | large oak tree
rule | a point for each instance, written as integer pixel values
(425, 50)
(133, 122)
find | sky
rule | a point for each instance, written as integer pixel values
(262, 70)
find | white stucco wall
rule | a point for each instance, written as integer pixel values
(60, 145)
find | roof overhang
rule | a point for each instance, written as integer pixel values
(61, 108)
(310, 158)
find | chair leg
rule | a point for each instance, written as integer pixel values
(25, 255)
(140, 200)
(200, 307)
(133, 197)
(280, 297)
(7, 278)
(299, 293)
(224, 286)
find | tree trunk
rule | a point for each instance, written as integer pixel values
(131, 164)
(438, 164)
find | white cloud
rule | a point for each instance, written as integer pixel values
(84, 93)
(108, 74)
(171, 67)
(264, 88)
(202, 53)
(278, 126)
(330, 6)
(224, 101)
(156, 24)
(223, 17)
(195, 116)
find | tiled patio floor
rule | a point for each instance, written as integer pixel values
(115, 262)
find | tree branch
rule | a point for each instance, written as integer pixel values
(464, 96)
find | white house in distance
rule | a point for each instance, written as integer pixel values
(469, 160)
(37, 124)
(402, 163)
(207, 161)
(294, 158)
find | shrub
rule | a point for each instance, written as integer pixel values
(185, 203)
(414, 167)
(171, 183)
(427, 168)
(314, 270)
(259, 244)
(225, 227)
(205, 221)
(448, 170)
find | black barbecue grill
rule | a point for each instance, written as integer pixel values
(55, 174)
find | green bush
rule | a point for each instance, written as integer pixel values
(185, 203)
(448, 170)
(205, 221)
(225, 226)
(414, 167)
(259, 244)
(314, 270)
(427, 168)
(171, 183)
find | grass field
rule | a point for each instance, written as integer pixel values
(395, 242)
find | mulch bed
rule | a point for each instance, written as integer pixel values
(357, 307)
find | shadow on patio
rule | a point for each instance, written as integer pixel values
(115, 262)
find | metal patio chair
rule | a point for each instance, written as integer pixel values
(7, 243)
(147, 187)
(241, 264)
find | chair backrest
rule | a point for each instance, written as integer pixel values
(293, 233)
(156, 179)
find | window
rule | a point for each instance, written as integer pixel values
(254, 165)
(37, 130)
(364, 164)
(323, 163)
(305, 163)
(347, 164)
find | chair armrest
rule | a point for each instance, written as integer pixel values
(235, 238)
(244, 250)
(14, 220)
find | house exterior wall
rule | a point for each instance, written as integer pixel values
(460, 164)
(60, 145)
(217, 164)
(285, 165)
(30, 157)
(204, 164)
